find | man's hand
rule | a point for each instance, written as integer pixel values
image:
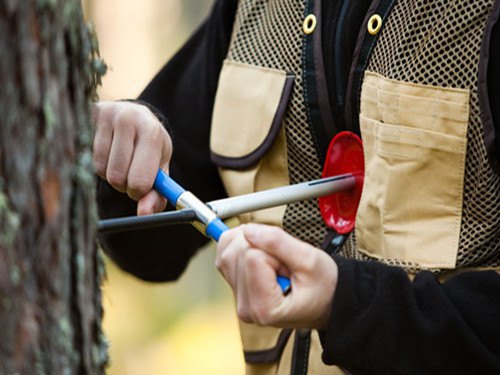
(251, 256)
(130, 145)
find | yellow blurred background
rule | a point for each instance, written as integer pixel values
(187, 327)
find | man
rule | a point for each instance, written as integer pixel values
(252, 101)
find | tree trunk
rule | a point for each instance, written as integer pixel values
(50, 272)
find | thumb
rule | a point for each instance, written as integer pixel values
(153, 202)
(279, 244)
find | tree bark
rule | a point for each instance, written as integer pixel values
(50, 271)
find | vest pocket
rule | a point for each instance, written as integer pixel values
(249, 107)
(414, 139)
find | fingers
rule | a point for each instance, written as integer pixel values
(275, 241)
(264, 297)
(149, 152)
(241, 289)
(120, 157)
(231, 245)
(102, 140)
(130, 145)
(251, 275)
(251, 256)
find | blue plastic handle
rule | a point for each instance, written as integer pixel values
(167, 187)
(215, 229)
(171, 190)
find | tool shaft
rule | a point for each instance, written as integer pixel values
(123, 224)
(233, 206)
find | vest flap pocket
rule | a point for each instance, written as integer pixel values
(249, 107)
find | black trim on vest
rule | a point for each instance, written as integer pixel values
(269, 355)
(315, 90)
(250, 159)
(491, 140)
(300, 356)
(321, 82)
(364, 48)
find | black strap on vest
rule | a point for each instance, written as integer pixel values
(333, 242)
(300, 357)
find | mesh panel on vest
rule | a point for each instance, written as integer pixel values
(438, 43)
(268, 33)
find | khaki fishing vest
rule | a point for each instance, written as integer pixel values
(430, 198)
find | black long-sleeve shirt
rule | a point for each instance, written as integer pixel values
(382, 322)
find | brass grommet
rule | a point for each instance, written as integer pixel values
(309, 24)
(374, 24)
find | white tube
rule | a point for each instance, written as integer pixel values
(229, 207)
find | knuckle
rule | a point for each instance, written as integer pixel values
(144, 118)
(243, 314)
(221, 261)
(116, 179)
(218, 264)
(99, 110)
(225, 259)
(224, 273)
(154, 133)
(124, 120)
(138, 186)
(99, 166)
(253, 258)
(309, 261)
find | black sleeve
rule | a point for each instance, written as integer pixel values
(183, 91)
(384, 323)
